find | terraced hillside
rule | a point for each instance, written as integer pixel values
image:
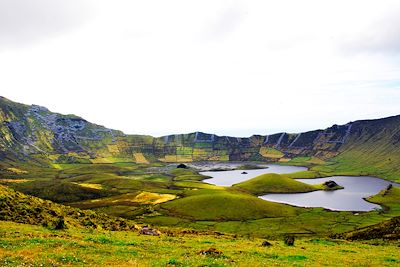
(34, 134)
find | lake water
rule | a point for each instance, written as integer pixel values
(228, 178)
(348, 199)
(351, 198)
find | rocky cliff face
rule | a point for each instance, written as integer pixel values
(32, 131)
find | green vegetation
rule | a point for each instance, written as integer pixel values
(139, 192)
(305, 175)
(33, 245)
(18, 207)
(60, 191)
(371, 150)
(192, 223)
(186, 175)
(271, 153)
(65, 159)
(389, 198)
(221, 205)
(387, 230)
(362, 163)
(274, 183)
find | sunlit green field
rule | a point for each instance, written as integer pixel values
(26, 245)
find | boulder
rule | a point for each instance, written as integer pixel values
(244, 172)
(149, 231)
(181, 166)
(60, 224)
(330, 184)
(289, 240)
(210, 251)
(266, 244)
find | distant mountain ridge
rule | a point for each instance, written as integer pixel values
(34, 134)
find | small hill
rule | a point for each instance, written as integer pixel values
(21, 208)
(274, 183)
(60, 191)
(221, 205)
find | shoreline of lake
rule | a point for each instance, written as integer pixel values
(351, 198)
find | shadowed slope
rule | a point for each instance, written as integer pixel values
(18, 207)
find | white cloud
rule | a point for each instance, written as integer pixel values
(230, 67)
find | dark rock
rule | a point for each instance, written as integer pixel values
(266, 244)
(387, 190)
(289, 240)
(210, 251)
(244, 172)
(182, 166)
(60, 224)
(149, 231)
(330, 184)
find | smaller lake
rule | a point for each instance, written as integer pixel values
(348, 199)
(228, 178)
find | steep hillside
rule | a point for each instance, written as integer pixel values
(29, 132)
(34, 135)
(373, 147)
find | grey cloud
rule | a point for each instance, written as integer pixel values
(25, 21)
(382, 36)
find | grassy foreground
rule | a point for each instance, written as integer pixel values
(27, 245)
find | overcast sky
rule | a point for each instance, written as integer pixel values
(227, 67)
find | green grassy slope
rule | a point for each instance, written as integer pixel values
(389, 198)
(18, 207)
(222, 205)
(275, 183)
(61, 191)
(372, 149)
